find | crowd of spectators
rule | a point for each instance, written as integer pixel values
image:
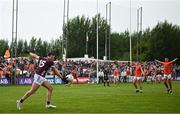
(21, 67)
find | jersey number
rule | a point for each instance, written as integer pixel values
(42, 63)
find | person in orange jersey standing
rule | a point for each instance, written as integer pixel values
(167, 73)
(138, 77)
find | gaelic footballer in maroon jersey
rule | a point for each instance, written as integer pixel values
(44, 63)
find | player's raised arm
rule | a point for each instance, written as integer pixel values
(158, 61)
(34, 55)
(174, 60)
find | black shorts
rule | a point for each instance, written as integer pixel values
(106, 78)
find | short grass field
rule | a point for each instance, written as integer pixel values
(94, 98)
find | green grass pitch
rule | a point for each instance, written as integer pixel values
(94, 98)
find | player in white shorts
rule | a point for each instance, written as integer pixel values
(167, 73)
(138, 77)
(44, 63)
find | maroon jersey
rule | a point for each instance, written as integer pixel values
(43, 65)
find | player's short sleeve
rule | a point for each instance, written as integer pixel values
(140, 66)
(40, 58)
(52, 64)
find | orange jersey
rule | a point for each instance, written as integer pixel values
(167, 67)
(128, 73)
(138, 71)
(116, 72)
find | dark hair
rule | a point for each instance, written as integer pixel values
(50, 53)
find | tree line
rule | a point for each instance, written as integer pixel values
(159, 42)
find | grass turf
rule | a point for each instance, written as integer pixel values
(93, 98)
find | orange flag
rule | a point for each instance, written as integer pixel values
(7, 54)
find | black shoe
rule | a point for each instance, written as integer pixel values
(137, 90)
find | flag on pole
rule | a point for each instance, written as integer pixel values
(87, 38)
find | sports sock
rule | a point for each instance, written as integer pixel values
(21, 101)
(48, 102)
(108, 83)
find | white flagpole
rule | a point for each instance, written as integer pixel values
(97, 65)
(130, 43)
(87, 40)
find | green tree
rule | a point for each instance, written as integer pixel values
(78, 28)
(38, 47)
(164, 41)
(32, 44)
(120, 46)
(25, 47)
(3, 46)
(102, 26)
(20, 47)
(45, 48)
(57, 48)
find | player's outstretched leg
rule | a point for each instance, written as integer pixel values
(33, 89)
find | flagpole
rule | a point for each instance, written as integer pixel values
(97, 65)
(130, 43)
(87, 43)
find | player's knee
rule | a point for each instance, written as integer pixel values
(134, 82)
(169, 80)
(50, 89)
(31, 91)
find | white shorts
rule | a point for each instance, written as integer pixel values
(166, 76)
(38, 79)
(153, 78)
(137, 78)
(159, 76)
(149, 78)
(116, 78)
